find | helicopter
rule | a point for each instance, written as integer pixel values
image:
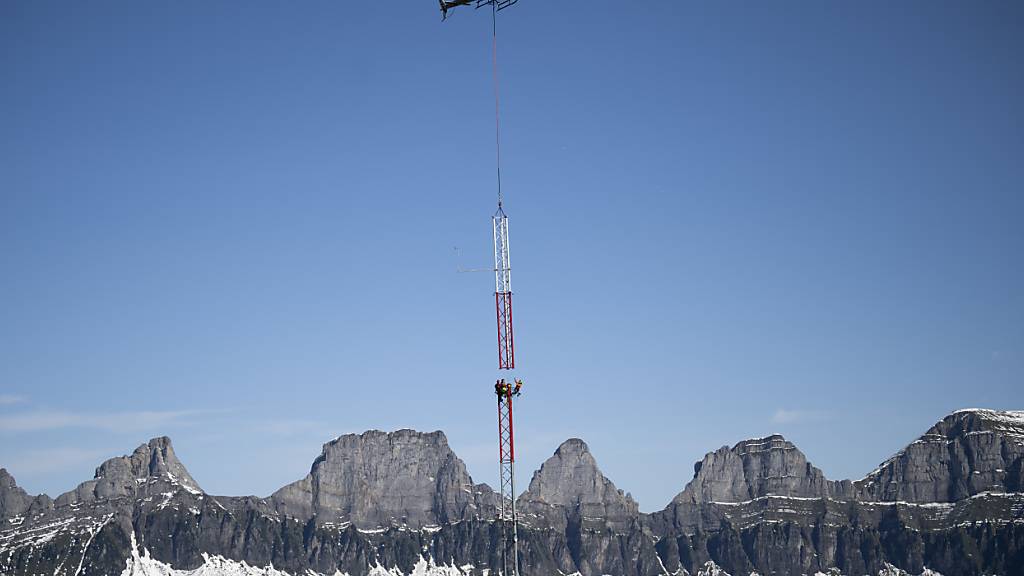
(449, 4)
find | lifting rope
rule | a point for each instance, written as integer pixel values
(497, 101)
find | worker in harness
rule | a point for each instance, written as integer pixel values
(503, 389)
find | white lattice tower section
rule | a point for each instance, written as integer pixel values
(503, 292)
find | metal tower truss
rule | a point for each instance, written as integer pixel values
(503, 292)
(498, 4)
(507, 460)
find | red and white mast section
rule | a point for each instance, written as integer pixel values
(506, 339)
(504, 390)
(503, 292)
(506, 462)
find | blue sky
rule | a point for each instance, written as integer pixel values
(233, 224)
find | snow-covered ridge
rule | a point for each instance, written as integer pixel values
(1017, 415)
(1009, 422)
(1005, 495)
(711, 569)
(142, 564)
(188, 485)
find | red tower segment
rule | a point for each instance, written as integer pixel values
(507, 460)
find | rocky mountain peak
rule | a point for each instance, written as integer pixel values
(13, 500)
(1009, 424)
(754, 468)
(385, 478)
(6, 480)
(155, 459)
(573, 447)
(966, 453)
(755, 445)
(152, 468)
(570, 485)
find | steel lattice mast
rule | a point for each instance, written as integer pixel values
(506, 343)
(505, 391)
(507, 460)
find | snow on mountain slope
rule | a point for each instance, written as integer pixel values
(142, 564)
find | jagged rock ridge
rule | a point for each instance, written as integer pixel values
(392, 500)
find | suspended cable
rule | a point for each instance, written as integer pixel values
(497, 100)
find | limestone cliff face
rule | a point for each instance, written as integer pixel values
(569, 487)
(151, 469)
(752, 469)
(966, 453)
(755, 468)
(381, 479)
(13, 500)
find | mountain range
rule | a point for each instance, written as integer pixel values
(402, 503)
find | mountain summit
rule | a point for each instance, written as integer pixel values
(381, 479)
(967, 453)
(151, 469)
(13, 500)
(569, 486)
(754, 468)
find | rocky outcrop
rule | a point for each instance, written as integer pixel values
(755, 468)
(966, 453)
(151, 469)
(380, 479)
(752, 469)
(569, 488)
(13, 500)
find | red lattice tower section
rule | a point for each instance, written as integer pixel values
(507, 461)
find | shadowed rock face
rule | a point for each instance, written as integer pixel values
(381, 479)
(13, 500)
(569, 487)
(152, 468)
(966, 453)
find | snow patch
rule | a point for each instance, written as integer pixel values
(142, 564)
(711, 569)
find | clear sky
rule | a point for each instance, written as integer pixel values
(233, 223)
